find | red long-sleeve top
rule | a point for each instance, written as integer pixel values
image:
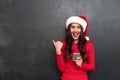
(69, 69)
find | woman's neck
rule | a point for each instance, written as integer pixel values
(75, 41)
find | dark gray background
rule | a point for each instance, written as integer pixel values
(27, 28)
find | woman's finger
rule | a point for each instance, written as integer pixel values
(78, 58)
(53, 42)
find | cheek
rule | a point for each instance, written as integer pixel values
(79, 30)
(71, 30)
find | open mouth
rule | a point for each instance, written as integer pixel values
(75, 34)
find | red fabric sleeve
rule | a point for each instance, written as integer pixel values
(60, 63)
(60, 60)
(90, 66)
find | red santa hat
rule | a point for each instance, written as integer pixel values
(82, 20)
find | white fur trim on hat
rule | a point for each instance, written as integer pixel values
(78, 20)
(87, 38)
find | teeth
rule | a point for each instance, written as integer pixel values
(75, 34)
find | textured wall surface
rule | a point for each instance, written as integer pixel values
(27, 28)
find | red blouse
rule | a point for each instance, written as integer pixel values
(69, 68)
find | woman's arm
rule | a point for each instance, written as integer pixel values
(60, 55)
(90, 66)
(60, 62)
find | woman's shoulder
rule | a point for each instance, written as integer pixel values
(64, 44)
(63, 41)
(89, 43)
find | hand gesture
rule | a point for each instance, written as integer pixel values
(78, 61)
(58, 46)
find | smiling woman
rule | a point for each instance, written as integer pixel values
(75, 30)
(75, 54)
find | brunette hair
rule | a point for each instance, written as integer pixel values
(81, 44)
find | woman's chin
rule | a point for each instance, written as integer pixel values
(75, 39)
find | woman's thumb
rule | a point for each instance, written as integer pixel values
(53, 42)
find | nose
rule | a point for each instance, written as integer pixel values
(75, 29)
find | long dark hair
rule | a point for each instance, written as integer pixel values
(81, 44)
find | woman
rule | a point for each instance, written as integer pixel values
(76, 44)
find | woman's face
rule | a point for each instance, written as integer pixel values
(75, 30)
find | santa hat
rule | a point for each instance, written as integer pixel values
(82, 20)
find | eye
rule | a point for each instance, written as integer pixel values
(78, 27)
(72, 27)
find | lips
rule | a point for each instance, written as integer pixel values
(75, 34)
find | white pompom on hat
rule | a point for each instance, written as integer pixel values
(82, 20)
